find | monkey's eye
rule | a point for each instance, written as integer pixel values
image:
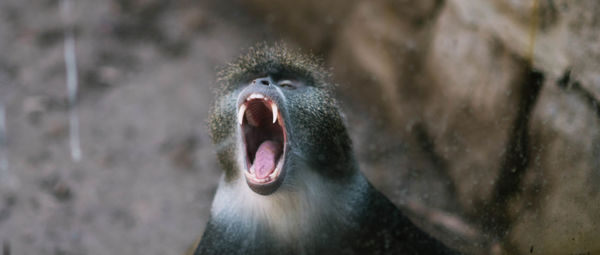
(287, 84)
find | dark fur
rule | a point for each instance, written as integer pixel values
(362, 222)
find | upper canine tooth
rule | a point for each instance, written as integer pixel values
(274, 110)
(240, 115)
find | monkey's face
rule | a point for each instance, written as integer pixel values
(276, 125)
(283, 126)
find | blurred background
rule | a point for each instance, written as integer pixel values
(480, 119)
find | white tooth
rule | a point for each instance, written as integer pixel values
(252, 169)
(272, 175)
(254, 96)
(240, 115)
(274, 110)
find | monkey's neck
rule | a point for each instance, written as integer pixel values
(308, 211)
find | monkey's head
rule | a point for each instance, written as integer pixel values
(275, 117)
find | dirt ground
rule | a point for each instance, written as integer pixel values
(148, 170)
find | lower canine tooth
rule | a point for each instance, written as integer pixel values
(272, 175)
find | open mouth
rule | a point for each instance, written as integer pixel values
(264, 140)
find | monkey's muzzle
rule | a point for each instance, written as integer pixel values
(264, 141)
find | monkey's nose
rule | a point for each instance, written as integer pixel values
(263, 81)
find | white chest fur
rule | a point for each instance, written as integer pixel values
(294, 211)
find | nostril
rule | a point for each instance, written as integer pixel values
(262, 81)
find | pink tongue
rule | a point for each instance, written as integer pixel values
(266, 155)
